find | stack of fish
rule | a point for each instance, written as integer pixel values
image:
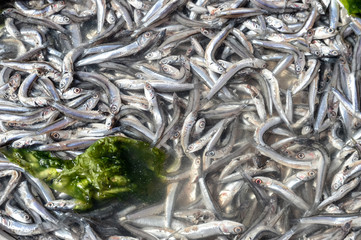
(255, 101)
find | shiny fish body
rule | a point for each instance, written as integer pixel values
(17, 213)
(256, 104)
(211, 229)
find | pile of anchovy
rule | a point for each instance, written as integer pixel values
(256, 103)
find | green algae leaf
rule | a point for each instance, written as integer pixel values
(111, 167)
(353, 7)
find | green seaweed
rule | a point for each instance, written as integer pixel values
(111, 167)
(353, 7)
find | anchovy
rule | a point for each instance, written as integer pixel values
(13, 13)
(341, 192)
(158, 116)
(117, 6)
(224, 78)
(211, 229)
(41, 68)
(212, 47)
(143, 41)
(16, 213)
(46, 11)
(282, 190)
(24, 229)
(29, 200)
(71, 144)
(13, 182)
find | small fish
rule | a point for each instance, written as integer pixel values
(246, 98)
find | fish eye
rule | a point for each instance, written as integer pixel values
(176, 134)
(140, 75)
(113, 108)
(333, 114)
(205, 31)
(50, 204)
(147, 34)
(210, 153)
(26, 217)
(238, 230)
(317, 53)
(312, 173)
(148, 86)
(258, 181)
(198, 161)
(334, 52)
(309, 32)
(55, 135)
(298, 69)
(330, 30)
(301, 155)
(202, 124)
(165, 69)
(220, 69)
(190, 147)
(76, 90)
